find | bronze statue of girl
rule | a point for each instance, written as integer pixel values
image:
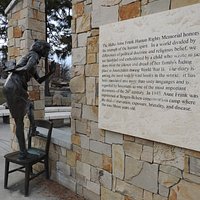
(15, 89)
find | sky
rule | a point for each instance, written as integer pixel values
(2, 42)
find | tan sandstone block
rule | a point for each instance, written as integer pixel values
(107, 163)
(79, 9)
(76, 139)
(91, 58)
(77, 84)
(185, 191)
(108, 195)
(16, 16)
(118, 161)
(71, 158)
(14, 51)
(181, 3)
(83, 23)
(34, 95)
(129, 11)
(92, 45)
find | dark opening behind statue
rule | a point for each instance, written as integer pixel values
(15, 89)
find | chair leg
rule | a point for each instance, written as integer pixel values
(6, 173)
(46, 163)
(27, 177)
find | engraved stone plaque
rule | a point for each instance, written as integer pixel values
(149, 77)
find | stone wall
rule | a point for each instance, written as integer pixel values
(106, 165)
(101, 164)
(26, 22)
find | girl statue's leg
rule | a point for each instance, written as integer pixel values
(29, 110)
(20, 137)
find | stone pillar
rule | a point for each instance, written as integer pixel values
(26, 22)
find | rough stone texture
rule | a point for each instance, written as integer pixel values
(106, 180)
(159, 197)
(92, 158)
(79, 56)
(94, 187)
(155, 6)
(163, 191)
(194, 166)
(92, 45)
(107, 163)
(83, 169)
(108, 194)
(95, 174)
(90, 90)
(63, 168)
(76, 113)
(88, 194)
(82, 39)
(125, 2)
(147, 195)
(90, 113)
(185, 191)
(169, 155)
(147, 178)
(74, 41)
(92, 70)
(181, 3)
(78, 9)
(132, 167)
(144, 142)
(100, 147)
(110, 2)
(68, 182)
(83, 23)
(171, 170)
(85, 143)
(96, 133)
(129, 138)
(130, 190)
(77, 84)
(147, 154)
(129, 11)
(118, 161)
(132, 149)
(17, 32)
(167, 180)
(91, 58)
(103, 14)
(113, 138)
(71, 158)
(77, 70)
(81, 126)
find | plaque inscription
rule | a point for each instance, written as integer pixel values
(150, 77)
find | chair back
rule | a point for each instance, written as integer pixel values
(48, 125)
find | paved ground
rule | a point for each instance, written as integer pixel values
(40, 188)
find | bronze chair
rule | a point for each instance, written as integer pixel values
(40, 156)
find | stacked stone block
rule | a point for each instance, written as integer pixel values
(105, 165)
(111, 165)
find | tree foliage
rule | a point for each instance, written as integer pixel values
(3, 21)
(3, 29)
(58, 25)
